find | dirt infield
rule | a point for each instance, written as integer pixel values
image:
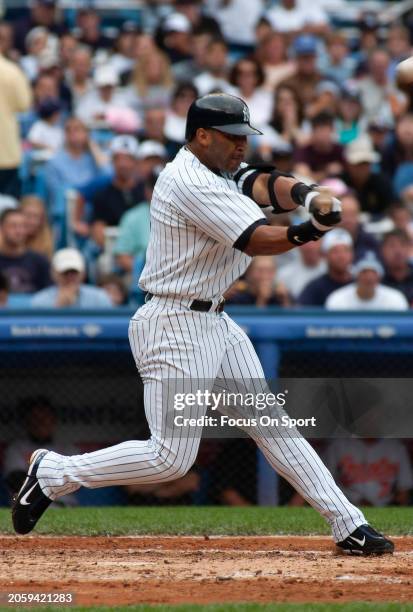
(125, 570)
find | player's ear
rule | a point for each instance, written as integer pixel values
(203, 136)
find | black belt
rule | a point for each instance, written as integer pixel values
(198, 305)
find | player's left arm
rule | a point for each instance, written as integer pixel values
(269, 187)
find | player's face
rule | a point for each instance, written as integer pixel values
(226, 150)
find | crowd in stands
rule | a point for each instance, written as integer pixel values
(92, 109)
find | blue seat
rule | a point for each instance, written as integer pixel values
(19, 300)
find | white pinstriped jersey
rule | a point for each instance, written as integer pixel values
(196, 217)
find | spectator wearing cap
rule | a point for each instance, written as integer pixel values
(307, 76)
(42, 13)
(174, 37)
(298, 273)
(395, 252)
(215, 75)
(373, 189)
(78, 74)
(293, 16)
(350, 123)
(378, 93)
(248, 77)
(366, 292)
(124, 191)
(47, 133)
(152, 156)
(68, 291)
(151, 82)
(363, 242)
(337, 246)
(15, 98)
(134, 229)
(93, 106)
(25, 270)
(322, 156)
(174, 130)
(337, 64)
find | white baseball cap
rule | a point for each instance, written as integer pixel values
(125, 144)
(334, 238)
(151, 148)
(361, 150)
(68, 259)
(176, 22)
(106, 75)
(368, 262)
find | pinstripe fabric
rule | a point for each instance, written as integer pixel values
(196, 217)
(176, 343)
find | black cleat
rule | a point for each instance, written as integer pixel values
(30, 502)
(366, 541)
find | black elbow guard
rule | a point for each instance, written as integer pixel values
(246, 177)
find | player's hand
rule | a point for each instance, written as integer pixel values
(324, 207)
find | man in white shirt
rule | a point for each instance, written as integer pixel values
(93, 106)
(298, 273)
(294, 16)
(366, 293)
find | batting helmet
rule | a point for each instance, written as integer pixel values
(222, 112)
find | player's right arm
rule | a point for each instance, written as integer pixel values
(266, 186)
(273, 240)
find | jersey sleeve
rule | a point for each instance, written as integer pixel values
(224, 214)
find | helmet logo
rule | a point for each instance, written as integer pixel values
(246, 114)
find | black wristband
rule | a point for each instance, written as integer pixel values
(299, 192)
(305, 232)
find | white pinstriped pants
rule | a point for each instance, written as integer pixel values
(169, 342)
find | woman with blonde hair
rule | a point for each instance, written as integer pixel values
(151, 81)
(39, 234)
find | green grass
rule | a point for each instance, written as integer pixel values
(347, 607)
(202, 520)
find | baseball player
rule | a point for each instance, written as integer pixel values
(206, 224)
